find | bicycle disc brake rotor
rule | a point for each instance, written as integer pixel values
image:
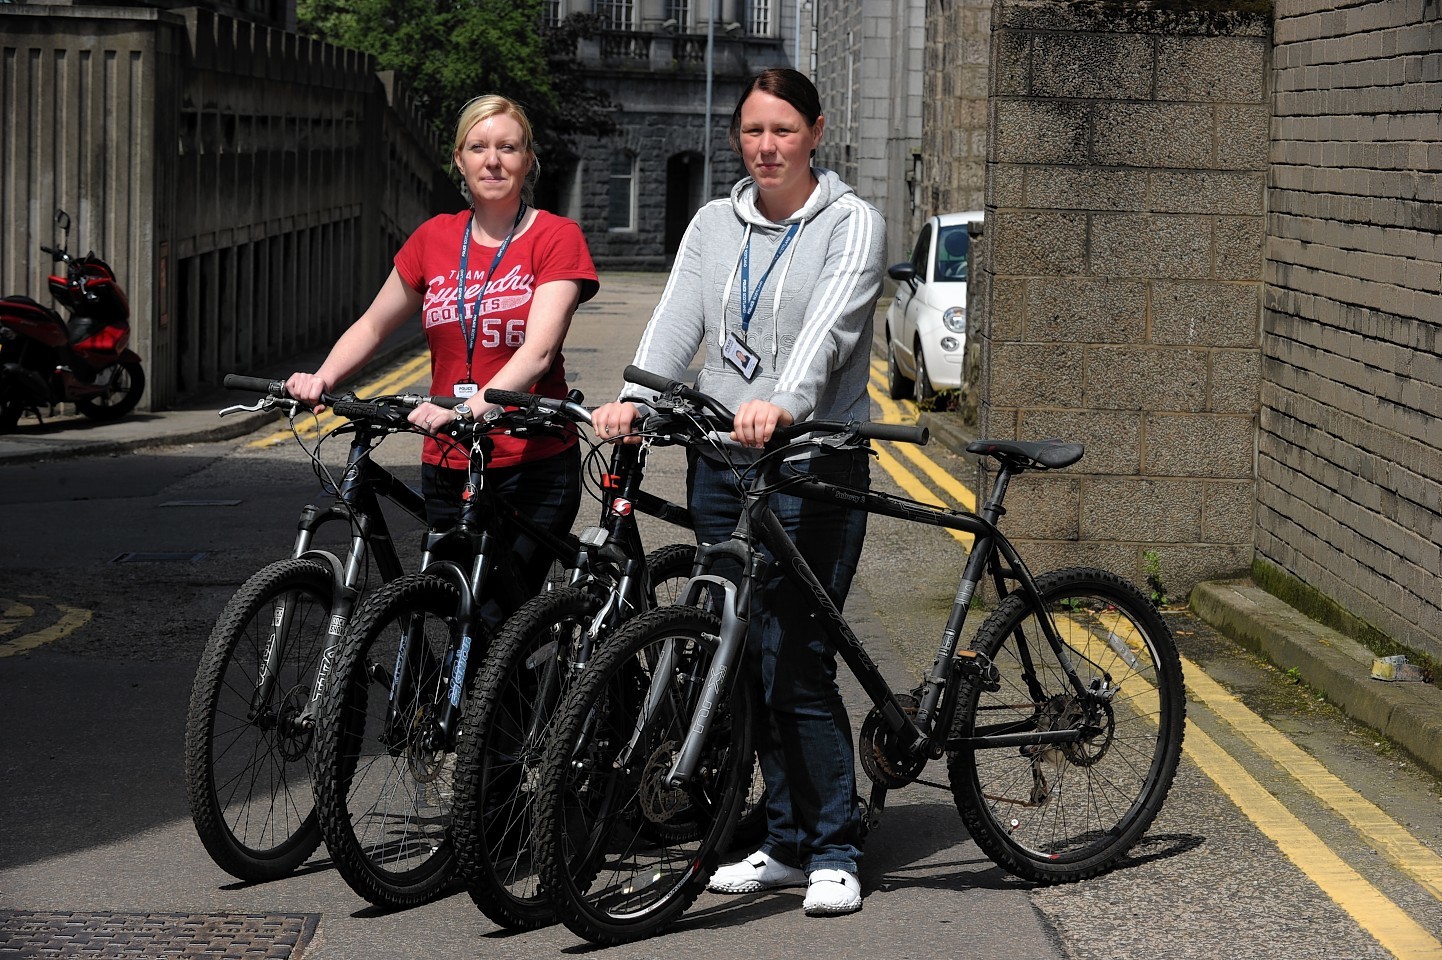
(423, 758)
(881, 756)
(660, 803)
(1067, 713)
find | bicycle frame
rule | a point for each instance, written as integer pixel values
(759, 524)
(476, 535)
(357, 503)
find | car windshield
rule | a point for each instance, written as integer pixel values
(953, 245)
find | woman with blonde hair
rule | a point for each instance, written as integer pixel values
(496, 286)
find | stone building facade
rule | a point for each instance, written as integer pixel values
(634, 192)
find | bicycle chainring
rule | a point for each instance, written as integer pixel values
(883, 759)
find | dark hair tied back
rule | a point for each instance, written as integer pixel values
(783, 83)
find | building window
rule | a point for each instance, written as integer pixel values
(551, 13)
(759, 18)
(621, 214)
(616, 14)
(680, 11)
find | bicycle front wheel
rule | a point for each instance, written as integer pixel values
(509, 714)
(621, 854)
(384, 766)
(248, 743)
(1063, 811)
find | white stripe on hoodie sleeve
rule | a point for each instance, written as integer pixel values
(848, 287)
(674, 332)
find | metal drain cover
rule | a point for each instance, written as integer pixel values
(130, 936)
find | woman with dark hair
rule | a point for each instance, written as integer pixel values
(496, 286)
(778, 282)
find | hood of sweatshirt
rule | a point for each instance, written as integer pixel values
(829, 189)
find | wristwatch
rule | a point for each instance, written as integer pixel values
(463, 411)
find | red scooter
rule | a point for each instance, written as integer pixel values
(44, 361)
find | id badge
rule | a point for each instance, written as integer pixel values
(465, 389)
(735, 352)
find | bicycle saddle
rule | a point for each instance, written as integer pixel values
(1030, 454)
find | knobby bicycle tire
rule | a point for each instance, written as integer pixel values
(602, 792)
(247, 764)
(1070, 811)
(383, 773)
(509, 711)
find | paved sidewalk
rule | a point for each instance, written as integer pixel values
(1410, 714)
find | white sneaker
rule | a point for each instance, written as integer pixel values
(830, 893)
(756, 873)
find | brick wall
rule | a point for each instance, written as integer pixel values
(1349, 489)
(1126, 159)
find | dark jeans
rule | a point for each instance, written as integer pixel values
(546, 492)
(803, 732)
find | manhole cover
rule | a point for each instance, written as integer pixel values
(235, 936)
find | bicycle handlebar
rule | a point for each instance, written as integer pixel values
(675, 388)
(900, 433)
(532, 403)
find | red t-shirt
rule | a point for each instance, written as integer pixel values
(552, 248)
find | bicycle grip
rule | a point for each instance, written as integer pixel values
(896, 432)
(647, 379)
(365, 410)
(511, 398)
(235, 381)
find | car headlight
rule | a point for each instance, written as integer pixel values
(955, 319)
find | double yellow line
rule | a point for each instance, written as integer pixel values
(389, 382)
(904, 411)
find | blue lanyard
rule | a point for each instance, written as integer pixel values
(469, 334)
(748, 301)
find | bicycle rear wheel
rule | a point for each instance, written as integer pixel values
(1060, 812)
(383, 775)
(621, 855)
(247, 759)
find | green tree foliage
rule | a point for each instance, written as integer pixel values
(449, 51)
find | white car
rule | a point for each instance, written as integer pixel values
(926, 323)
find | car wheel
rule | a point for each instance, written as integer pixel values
(898, 386)
(922, 389)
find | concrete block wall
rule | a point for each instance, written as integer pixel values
(1126, 167)
(1349, 489)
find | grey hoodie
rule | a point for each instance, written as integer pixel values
(812, 325)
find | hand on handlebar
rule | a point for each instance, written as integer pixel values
(431, 418)
(756, 421)
(307, 388)
(612, 420)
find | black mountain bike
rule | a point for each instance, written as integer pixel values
(526, 674)
(1061, 724)
(391, 721)
(252, 713)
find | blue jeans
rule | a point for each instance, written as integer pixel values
(803, 734)
(547, 492)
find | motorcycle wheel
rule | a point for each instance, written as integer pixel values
(126, 385)
(10, 410)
